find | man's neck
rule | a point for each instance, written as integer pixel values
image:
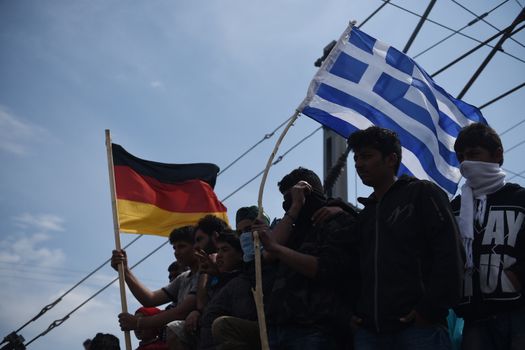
(194, 267)
(380, 190)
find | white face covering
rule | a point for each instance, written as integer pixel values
(483, 178)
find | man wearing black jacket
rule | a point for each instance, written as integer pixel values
(491, 217)
(409, 251)
(310, 302)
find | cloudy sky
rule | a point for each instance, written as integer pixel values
(179, 82)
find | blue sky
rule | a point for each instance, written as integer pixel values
(177, 82)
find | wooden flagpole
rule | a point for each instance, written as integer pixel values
(116, 230)
(258, 292)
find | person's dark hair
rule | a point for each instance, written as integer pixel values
(184, 234)
(174, 266)
(383, 140)
(210, 224)
(87, 343)
(105, 342)
(478, 135)
(300, 174)
(250, 213)
(230, 237)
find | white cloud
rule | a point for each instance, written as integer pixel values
(41, 222)
(156, 84)
(29, 249)
(16, 134)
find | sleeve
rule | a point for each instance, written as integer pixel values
(519, 266)
(172, 289)
(347, 207)
(338, 252)
(444, 265)
(194, 284)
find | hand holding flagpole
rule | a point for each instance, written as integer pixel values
(116, 230)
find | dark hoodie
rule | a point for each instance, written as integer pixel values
(325, 301)
(410, 256)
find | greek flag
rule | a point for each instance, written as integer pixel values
(365, 82)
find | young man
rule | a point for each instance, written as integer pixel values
(205, 244)
(310, 303)
(232, 319)
(228, 264)
(491, 218)
(181, 291)
(409, 251)
(206, 233)
(222, 287)
(244, 219)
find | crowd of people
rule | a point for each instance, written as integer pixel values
(388, 276)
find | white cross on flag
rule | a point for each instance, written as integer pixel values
(365, 82)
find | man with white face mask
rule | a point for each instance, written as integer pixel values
(491, 216)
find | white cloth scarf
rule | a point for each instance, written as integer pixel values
(483, 178)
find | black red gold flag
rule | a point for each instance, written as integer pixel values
(154, 198)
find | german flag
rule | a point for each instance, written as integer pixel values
(154, 198)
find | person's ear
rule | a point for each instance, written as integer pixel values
(498, 155)
(392, 160)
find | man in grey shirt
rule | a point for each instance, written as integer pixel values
(181, 291)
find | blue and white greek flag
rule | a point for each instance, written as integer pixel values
(365, 82)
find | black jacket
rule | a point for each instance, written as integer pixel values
(324, 301)
(410, 256)
(499, 246)
(233, 299)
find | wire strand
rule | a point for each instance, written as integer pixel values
(58, 322)
(373, 13)
(514, 175)
(452, 30)
(512, 127)
(51, 305)
(274, 162)
(471, 23)
(515, 146)
(265, 137)
(502, 95)
(483, 19)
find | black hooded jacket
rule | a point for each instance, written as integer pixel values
(410, 256)
(325, 301)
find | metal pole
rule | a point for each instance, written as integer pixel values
(502, 95)
(419, 25)
(506, 35)
(333, 146)
(480, 45)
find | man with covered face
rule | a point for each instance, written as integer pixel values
(491, 216)
(311, 298)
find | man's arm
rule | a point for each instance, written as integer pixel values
(443, 287)
(130, 322)
(281, 232)
(144, 295)
(516, 272)
(335, 252)
(305, 264)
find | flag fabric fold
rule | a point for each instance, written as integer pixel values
(154, 198)
(365, 82)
